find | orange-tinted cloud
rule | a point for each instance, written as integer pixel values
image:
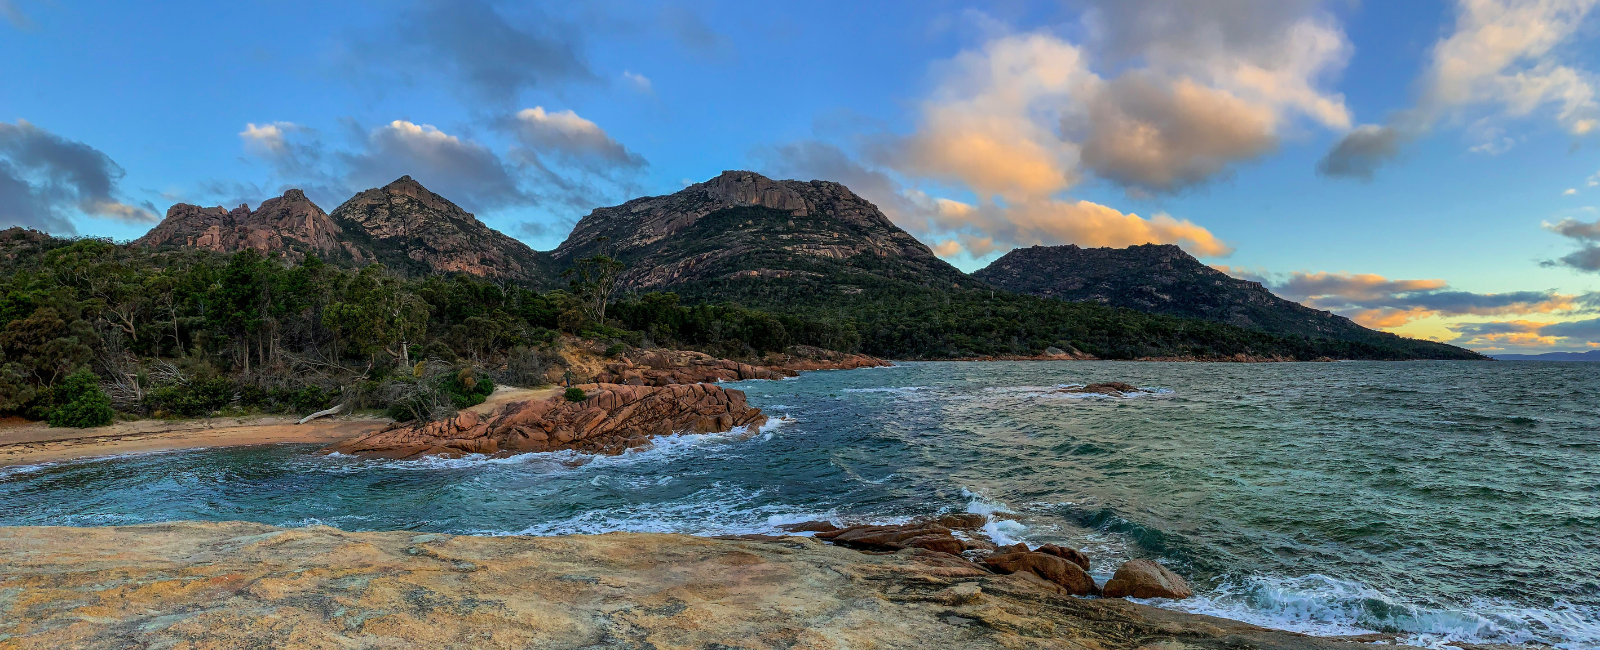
(1383, 303)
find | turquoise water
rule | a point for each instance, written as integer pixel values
(1448, 501)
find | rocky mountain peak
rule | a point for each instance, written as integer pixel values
(290, 224)
(741, 224)
(1158, 278)
(412, 229)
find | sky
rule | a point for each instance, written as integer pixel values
(1428, 167)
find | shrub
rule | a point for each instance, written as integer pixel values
(617, 349)
(80, 402)
(575, 394)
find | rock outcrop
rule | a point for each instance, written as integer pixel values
(1146, 579)
(290, 225)
(402, 225)
(746, 228)
(668, 367)
(1110, 388)
(216, 586)
(893, 538)
(610, 420)
(407, 227)
(1060, 572)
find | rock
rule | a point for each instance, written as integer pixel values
(1067, 575)
(1146, 579)
(1072, 555)
(810, 527)
(669, 367)
(290, 224)
(215, 586)
(610, 420)
(1116, 388)
(892, 538)
(961, 520)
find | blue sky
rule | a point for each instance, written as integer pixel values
(1432, 168)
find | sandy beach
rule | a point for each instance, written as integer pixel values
(28, 443)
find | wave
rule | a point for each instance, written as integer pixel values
(660, 448)
(1326, 606)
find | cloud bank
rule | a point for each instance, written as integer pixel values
(45, 177)
(1383, 303)
(1586, 235)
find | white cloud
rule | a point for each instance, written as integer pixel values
(639, 82)
(1571, 191)
(565, 135)
(1503, 59)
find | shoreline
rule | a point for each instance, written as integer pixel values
(34, 443)
(219, 585)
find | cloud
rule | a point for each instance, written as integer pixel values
(639, 82)
(565, 135)
(1379, 302)
(466, 172)
(1586, 235)
(1571, 191)
(471, 44)
(1502, 58)
(1528, 334)
(14, 15)
(43, 176)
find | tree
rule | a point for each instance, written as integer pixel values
(594, 281)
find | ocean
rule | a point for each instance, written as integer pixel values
(1443, 501)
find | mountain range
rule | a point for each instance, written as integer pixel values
(813, 248)
(1591, 355)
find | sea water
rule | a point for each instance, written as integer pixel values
(1444, 501)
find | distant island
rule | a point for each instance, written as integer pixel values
(1591, 355)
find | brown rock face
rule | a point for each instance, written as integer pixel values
(1114, 388)
(409, 228)
(612, 419)
(1072, 555)
(893, 538)
(290, 224)
(1146, 579)
(1068, 575)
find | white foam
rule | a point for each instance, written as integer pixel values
(1325, 606)
(1002, 531)
(887, 389)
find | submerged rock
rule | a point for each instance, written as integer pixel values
(1113, 388)
(610, 420)
(1146, 579)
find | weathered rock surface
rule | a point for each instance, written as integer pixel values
(1072, 555)
(205, 586)
(1146, 579)
(668, 367)
(402, 225)
(290, 224)
(1069, 576)
(611, 419)
(893, 538)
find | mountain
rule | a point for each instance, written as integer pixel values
(290, 224)
(744, 228)
(1591, 355)
(402, 225)
(1161, 279)
(817, 251)
(407, 227)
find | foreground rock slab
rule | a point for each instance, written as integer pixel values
(234, 585)
(611, 419)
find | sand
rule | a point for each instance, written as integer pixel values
(30, 443)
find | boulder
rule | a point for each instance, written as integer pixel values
(1146, 579)
(893, 538)
(1072, 555)
(1114, 388)
(1065, 574)
(610, 420)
